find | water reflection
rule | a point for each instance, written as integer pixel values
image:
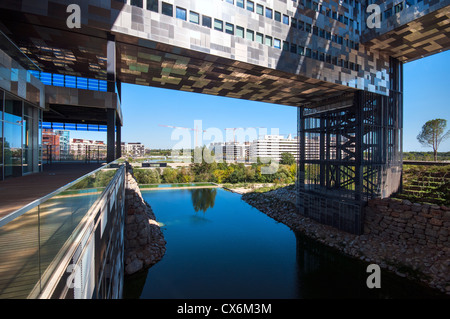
(254, 258)
(325, 273)
(203, 198)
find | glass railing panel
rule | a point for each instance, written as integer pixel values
(63, 217)
(33, 244)
(19, 256)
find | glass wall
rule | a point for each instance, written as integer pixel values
(1, 135)
(19, 150)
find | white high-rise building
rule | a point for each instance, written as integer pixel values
(231, 151)
(133, 149)
(272, 146)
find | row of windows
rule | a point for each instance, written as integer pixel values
(70, 81)
(278, 16)
(167, 9)
(219, 25)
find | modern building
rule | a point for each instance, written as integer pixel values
(136, 149)
(64, 143)
(340, 63)
(231, 151)
(272, 146)
(82, 149)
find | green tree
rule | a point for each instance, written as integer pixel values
(287, 158)
(170, 175)
(433, 133)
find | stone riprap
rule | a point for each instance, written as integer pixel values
(144, 240)
(394, 248)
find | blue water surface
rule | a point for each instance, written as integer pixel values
(218, 247)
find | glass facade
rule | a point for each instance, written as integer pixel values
(19, 137)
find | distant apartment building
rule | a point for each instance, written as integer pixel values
(272, 146)
(64, 143)
(133, 149)
(50, 145)
(231, 151)
(83, 148)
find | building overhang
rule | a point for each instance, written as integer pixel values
(413, 35)
(73, 105)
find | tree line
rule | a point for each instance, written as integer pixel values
(220, 173)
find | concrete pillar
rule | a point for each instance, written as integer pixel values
(110, 135)
(111, 63)
(118, 140)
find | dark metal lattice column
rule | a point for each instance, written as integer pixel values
(349, 154)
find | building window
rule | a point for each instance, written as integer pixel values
(194, 17)
(259, 9)
(259, 37)
(308, 27)
(181, 13)
(285, 19)
(301, 50)
(152, 5)
(269, 13)
(387, 13)
(250, 35)
(218, 25)
(240, 3)
(315, 30)
(167, 9)
(136, 3)
(398, 7)
(308, 52)
(294, 23)
(308, 4)
(322, 33)
(250, 6)
(268, 40)
(315, 6)
(240, 32)
(277, 43)
(206, 21)
(229, 28)
(293, 48)
(230, 1)
(277, 16)
(301, 25)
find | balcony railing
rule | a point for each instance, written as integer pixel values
(40, 242)
(86, 154)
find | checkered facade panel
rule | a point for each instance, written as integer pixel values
(278, 51)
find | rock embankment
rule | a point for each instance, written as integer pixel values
(426, 260)
(144, 240)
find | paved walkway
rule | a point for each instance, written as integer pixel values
(17, 192)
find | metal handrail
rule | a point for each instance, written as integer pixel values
(55, 270)
(19, 212)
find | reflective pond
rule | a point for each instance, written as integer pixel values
(218, 246)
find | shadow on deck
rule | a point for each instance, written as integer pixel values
(20, 191)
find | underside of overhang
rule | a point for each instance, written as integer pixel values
(424, 36)
(57, 49)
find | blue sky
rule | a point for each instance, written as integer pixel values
(426, 90)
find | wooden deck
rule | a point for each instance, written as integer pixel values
(22, 260)
(20, 191)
